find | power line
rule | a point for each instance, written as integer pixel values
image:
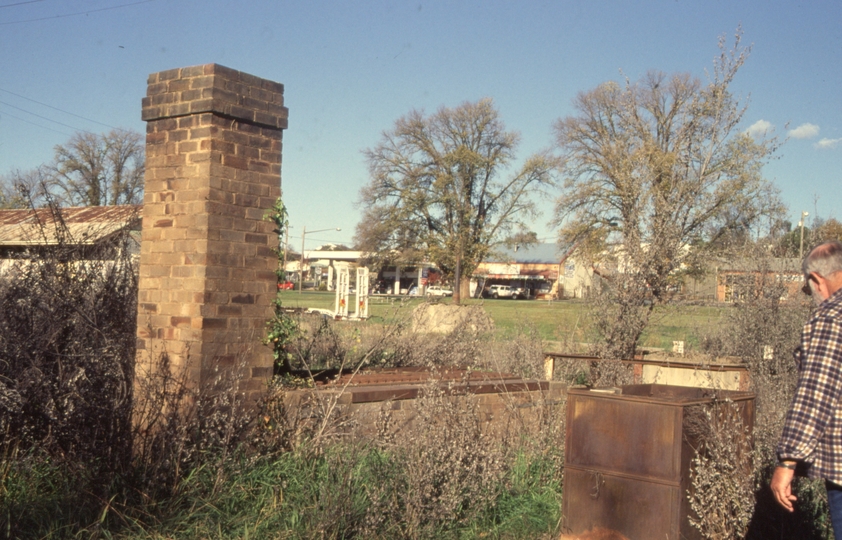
(44, 117)
(2, 114)
(77, 13)
(20, 3)
(55, 108)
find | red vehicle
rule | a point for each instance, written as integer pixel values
(286, 286)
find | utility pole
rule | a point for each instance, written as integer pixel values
(801, 224)
(301, 262)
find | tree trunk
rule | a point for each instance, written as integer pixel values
(465, 287)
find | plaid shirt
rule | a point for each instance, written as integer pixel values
(813, 429)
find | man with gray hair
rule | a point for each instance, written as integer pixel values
(811, 442)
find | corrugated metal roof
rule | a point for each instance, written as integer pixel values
(536, 253)
(84, 225)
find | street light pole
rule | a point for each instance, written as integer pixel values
(304, 233)
(286, 243)
(801, 224)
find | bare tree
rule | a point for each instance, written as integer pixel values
(661, 169)
(24, 189)
(99, 170)
(438, 188)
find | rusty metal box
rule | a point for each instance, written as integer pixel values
(627, 458)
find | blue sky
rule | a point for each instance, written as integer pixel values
(350, 69)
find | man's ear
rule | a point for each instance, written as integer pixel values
(832, 283)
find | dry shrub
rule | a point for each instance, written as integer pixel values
(767, 321)
(178, 427)
(521, 354)
(68, 388)
(721, 479)
(444, 469)
(292, 417)
(438, 469)
(620, 309)
(282, 424)
(319, 345)
(762, 330)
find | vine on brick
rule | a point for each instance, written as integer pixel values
(281, 329)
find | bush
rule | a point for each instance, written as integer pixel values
(67, 326)
(193, 463)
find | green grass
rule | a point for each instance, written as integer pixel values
(682, 323)
(292, 495)
(565, 320)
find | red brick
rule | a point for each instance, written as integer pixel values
(256, 238)
(202, 105)
(169, 74)
(159, 137)
(178, 85)
(167, 124)
(193, 71)
(230, 311)
(156, 88)
(192, 95)
(210, 323)
(180, 321)
(223, 71)
(235, 162)
(200, 133)
(162, 99)
(205, 81)
(178, 109)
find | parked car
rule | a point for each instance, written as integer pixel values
(501, 291)
(520, 293)
(438, 290)
(286, 286)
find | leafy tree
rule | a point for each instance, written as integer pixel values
(661, 169)
(439, 190)
(789, 244)
(826, 229)
(99, 170)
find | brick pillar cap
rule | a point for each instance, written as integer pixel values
(212, 88)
